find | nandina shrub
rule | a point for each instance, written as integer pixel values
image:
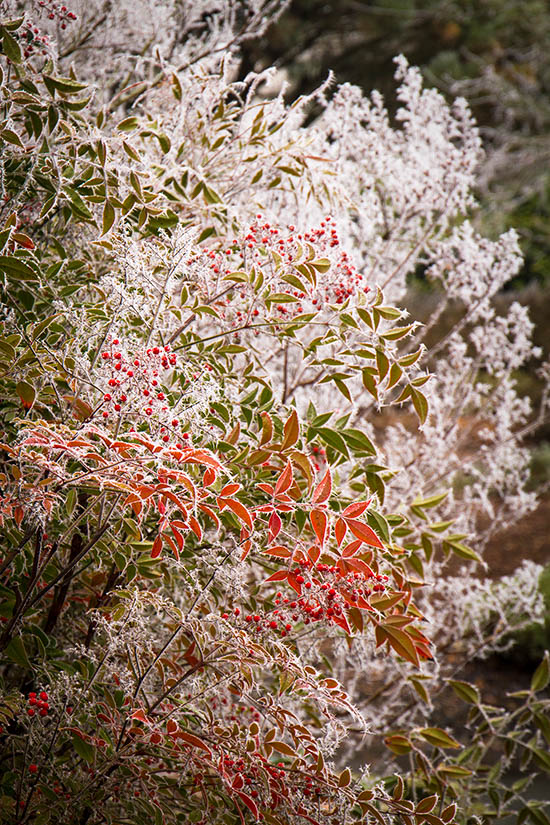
(217, 577)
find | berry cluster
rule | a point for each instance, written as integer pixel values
(282, 261)
(37, 702)
(325, 599)
(32, 41)
(59, 13)
(135, 389)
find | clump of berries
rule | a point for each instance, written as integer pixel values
(284, 259)
(61, 14)
(135, 390)
(37, 703)
(318, 598)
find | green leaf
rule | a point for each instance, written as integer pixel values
(420, 404)
(334, 439)
(465, 691)
(26, 393)
(280, 298)
(541, 676)
(461, 550)
(358, 441)
(382, 364)
(17, 268)
(108, 217)
(64, 85)
(11, 137)
(128, 124)
(83, 749)
(438, 738)
(10, 47)
(15, 651)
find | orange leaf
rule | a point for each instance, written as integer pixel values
(229, 490)
(356, 509)
(340, 531)
(195, 527)
(157, 547)
(313, 553)
(323, 490)
(399, 640)
(209, 512)
(279, 576)
(291, 430)
(209, 477)
(239, 509)
(191, 739)
(247, 546)
(275, 525)
(285, 480)
(279, 551)
(351, 549)
(319, 522)
(364, 533)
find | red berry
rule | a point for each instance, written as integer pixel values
(43, 712)
(31, 712)
(33, 768)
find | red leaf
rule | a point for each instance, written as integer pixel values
(291, 578)
(313, 553)
(351, 549)
(364, 533)
(319, 523)
(249, 802)
(340, 531)
(157, 547)
(279, 551)
(279, 576)
(195, 527)
(229, 490)
(275, 525)
(356, 509)
(209, 477)
(247, 546)
(285, 480)
(191, 739)
(239, 509)
(359, 566)
(323, 490)
(341, 621)
(209, 512)
(178, 535)
(173, 545)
